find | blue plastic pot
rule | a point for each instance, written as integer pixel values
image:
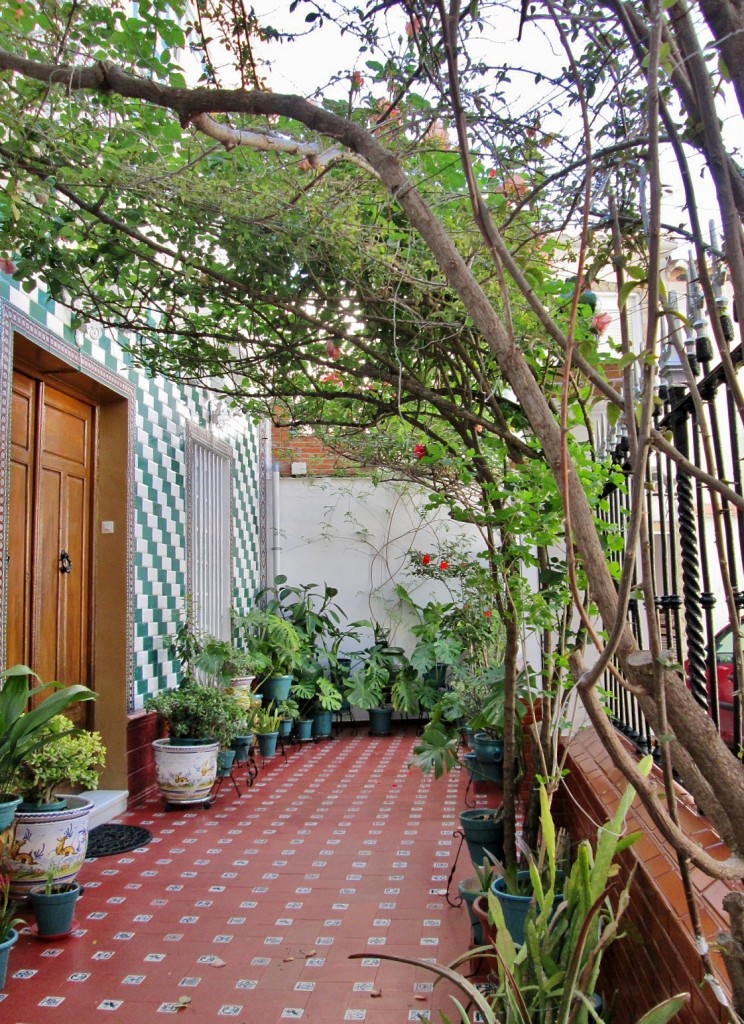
(484, 833)
(516, 908)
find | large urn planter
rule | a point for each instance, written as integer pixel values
(483, 828)
(185, 771)
(5, 948)
(276, 689)
(54, 910)
(47, 840)
(241, 690)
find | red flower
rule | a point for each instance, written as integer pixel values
(443, 564)
(487, 614)
(419, 450)
(601, 322)
(426, 559)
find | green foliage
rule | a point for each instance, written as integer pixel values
(75, 757)
(367, 685)
(200, 712)
(8, 910)
(316, 616)
(24, 732)
(436, 750)
(271, 640)
(223, 662)
(563, 943)
(267, 719)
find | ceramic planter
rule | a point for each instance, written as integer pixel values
(469, 889)
(285, 727)
(5, 948)
(54, 911)
(483, 771)
(241, 745)
(185, 773)
(46, 839)
(484, 833)
(241, 691)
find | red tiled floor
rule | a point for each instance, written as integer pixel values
(250, 909)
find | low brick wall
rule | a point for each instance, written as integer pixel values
(142, 729)
(658, 956)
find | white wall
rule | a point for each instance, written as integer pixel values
(356, 535)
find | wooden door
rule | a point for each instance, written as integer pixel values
(51, 496)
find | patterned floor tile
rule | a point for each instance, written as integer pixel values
(250, 910)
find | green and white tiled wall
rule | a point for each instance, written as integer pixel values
(159, 543)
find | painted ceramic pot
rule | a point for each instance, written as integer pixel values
(44, 840)
(185, 774)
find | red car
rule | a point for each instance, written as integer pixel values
(724, 647)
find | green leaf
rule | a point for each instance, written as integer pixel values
(663, 1012)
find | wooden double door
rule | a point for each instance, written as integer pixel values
(49, 538)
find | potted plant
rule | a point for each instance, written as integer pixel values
(317, 697)
(476, 888)
(77, 757)
(228, 665)
(51, 828)
(53, 905)
(278, 643)
(289, 710)
(367, 690)
(437, 646)
(266, 727)
(23, 731)
(8, 922)
(201, 720)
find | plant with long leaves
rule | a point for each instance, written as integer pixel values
(23, 729)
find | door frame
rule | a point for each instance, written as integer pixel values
(112, 555)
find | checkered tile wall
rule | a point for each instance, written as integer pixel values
(163, 410)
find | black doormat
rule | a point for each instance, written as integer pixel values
(106, 840)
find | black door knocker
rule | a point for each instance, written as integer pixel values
(65, 563)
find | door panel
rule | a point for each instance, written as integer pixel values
(20, 526)
(58, 460)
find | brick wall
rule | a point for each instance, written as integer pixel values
(290, 446)
(142, 729)
(658, 958)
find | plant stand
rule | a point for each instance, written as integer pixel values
(226, 773)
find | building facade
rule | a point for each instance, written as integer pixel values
(125, 499)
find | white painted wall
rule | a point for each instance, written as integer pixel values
(356, 535)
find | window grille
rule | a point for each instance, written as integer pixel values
(209, 482)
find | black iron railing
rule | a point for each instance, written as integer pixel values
(688, 565)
